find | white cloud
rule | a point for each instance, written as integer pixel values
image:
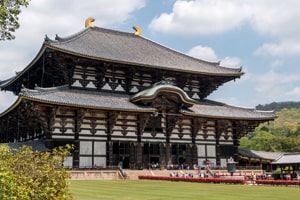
(276, 63)
(201, 17)
(203, 53)
(295, 92)
(62, 17)
(269, 80)
(276, 18)
(233, 62)
(281, 49)
(68, 16)
(6, 99)
(273, 86)
(208, 54)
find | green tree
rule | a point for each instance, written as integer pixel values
(31, 175)
(9, 20)
(285, 130)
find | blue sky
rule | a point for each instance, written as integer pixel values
(261, 36)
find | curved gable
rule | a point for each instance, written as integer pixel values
(163, 88)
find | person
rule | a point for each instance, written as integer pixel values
(121, 164)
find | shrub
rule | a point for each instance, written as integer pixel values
(31, 175)
(198, 180)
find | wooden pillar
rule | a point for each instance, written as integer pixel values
(50, 120)
(218, 132)
(132, 155)
(235, 134)
(109, 154)
(188, 154)
(167, 133)
(196, 125)
(110, 121)
(162, 158)
(139, 155)
(76, 150)
(194, 154)
(143, 120)
(168, 153)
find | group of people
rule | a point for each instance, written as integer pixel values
(182, 166)
(190, 175)
(173, 174)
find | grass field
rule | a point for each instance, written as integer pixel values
(166, 190)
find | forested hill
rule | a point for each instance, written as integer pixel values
(280, 135)
(277, 106)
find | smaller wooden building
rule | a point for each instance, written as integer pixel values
(260, 159)
(289, 164)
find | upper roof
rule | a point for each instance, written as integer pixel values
(113, 101)
(124, 47)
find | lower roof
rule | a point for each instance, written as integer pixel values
(215, 109)
(114, 101)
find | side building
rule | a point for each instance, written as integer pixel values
(118, 96)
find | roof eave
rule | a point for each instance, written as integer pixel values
(262, 119)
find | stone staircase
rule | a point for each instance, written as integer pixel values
(95, 174)
(133, 174)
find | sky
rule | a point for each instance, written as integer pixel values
(261, 36)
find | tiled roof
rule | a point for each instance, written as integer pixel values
(288, 158)
(220, 110)
(115, 101)
(82, 98)
(260, 154)
(123, 47)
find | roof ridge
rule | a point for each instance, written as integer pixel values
(38, 90)
(59, 39)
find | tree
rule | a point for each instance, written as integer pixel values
(9, 20)
(32, 175)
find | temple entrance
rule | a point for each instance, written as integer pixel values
(179, 153)
(124, 162)
(181, 160)
(151, 155)
(120, 155)
(154, 159)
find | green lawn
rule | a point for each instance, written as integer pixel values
(166, 190)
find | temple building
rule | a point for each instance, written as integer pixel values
(117, 96)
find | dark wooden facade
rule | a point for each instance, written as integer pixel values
(118, 105)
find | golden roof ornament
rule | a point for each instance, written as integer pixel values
(88, 22)
(138, 30)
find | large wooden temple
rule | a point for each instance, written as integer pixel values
(117, 96)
